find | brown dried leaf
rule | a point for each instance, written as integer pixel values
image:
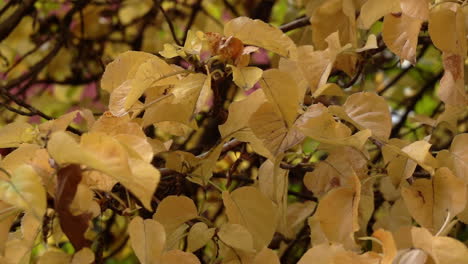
(74, 226)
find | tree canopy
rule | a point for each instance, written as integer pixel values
(228, 131)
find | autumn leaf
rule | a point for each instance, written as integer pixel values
(400, 34)
(24, 189)
(258, 33)
(173, 211)
(198, 236)
(105, 154)
(74, 226)
(248, 207)
(366, 111)
(147, 238)
(443, 250)
(431, 202)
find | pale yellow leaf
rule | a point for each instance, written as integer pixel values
(456, 158)
(147, 238)
(248, 207)
(13, 134)
(281, 90)
(452, 85)
(258, 33)
(105, 154)
(388, 245)
(236, 236)
(337, 213)
(198, 236)
(179, 257)
(400, 34)
(173, 211)
(415, 8)
(10, 212)
(245, 77)
(373, 10)
(272, 130)
(451, 41)
(84, 256)
(367, 110)
(371, 43)
(444, 250)
(84, 202)
(123, 68)
(329, 89)
(24, 190)
(266, 255)
(152, 72)
(314, 65)
(240, 112)
(432, 201)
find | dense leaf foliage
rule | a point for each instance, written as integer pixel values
(216, 132)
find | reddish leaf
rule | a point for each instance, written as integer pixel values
(74, 226)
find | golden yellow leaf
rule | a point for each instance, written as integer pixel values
(432, 201)
(258, 33)
(444, 250)
(179, 256)
(24, 190)
(240, 112)
(296, 215)
(336, 254)
(173, 211)
(206, 95)
(248, 207)
(371, 43)
(84, 202)
(266, 255)
(105, 154)
(366, 110)
(152, 72)
(450, 41)
(147, 238)
(314, 65)
(269, 126)
(59, 124)
(411, 256)
(198, 236)
(160, 108)
(84, 256)
(329, 89)
(123, 68)
(415, 8)
(237, 237)
(343, 15)
(292, 68)
(54, 257)
(136, 146)
(281, 90)
(245, 77)
(388, 245)
(452, 85)
(335, 171)
(456, 158)
(373, 10)
(13, 134)
(337, 214)
(8, 217)
(400, 34)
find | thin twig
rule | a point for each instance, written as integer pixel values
(169, 23)
(295, 24)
